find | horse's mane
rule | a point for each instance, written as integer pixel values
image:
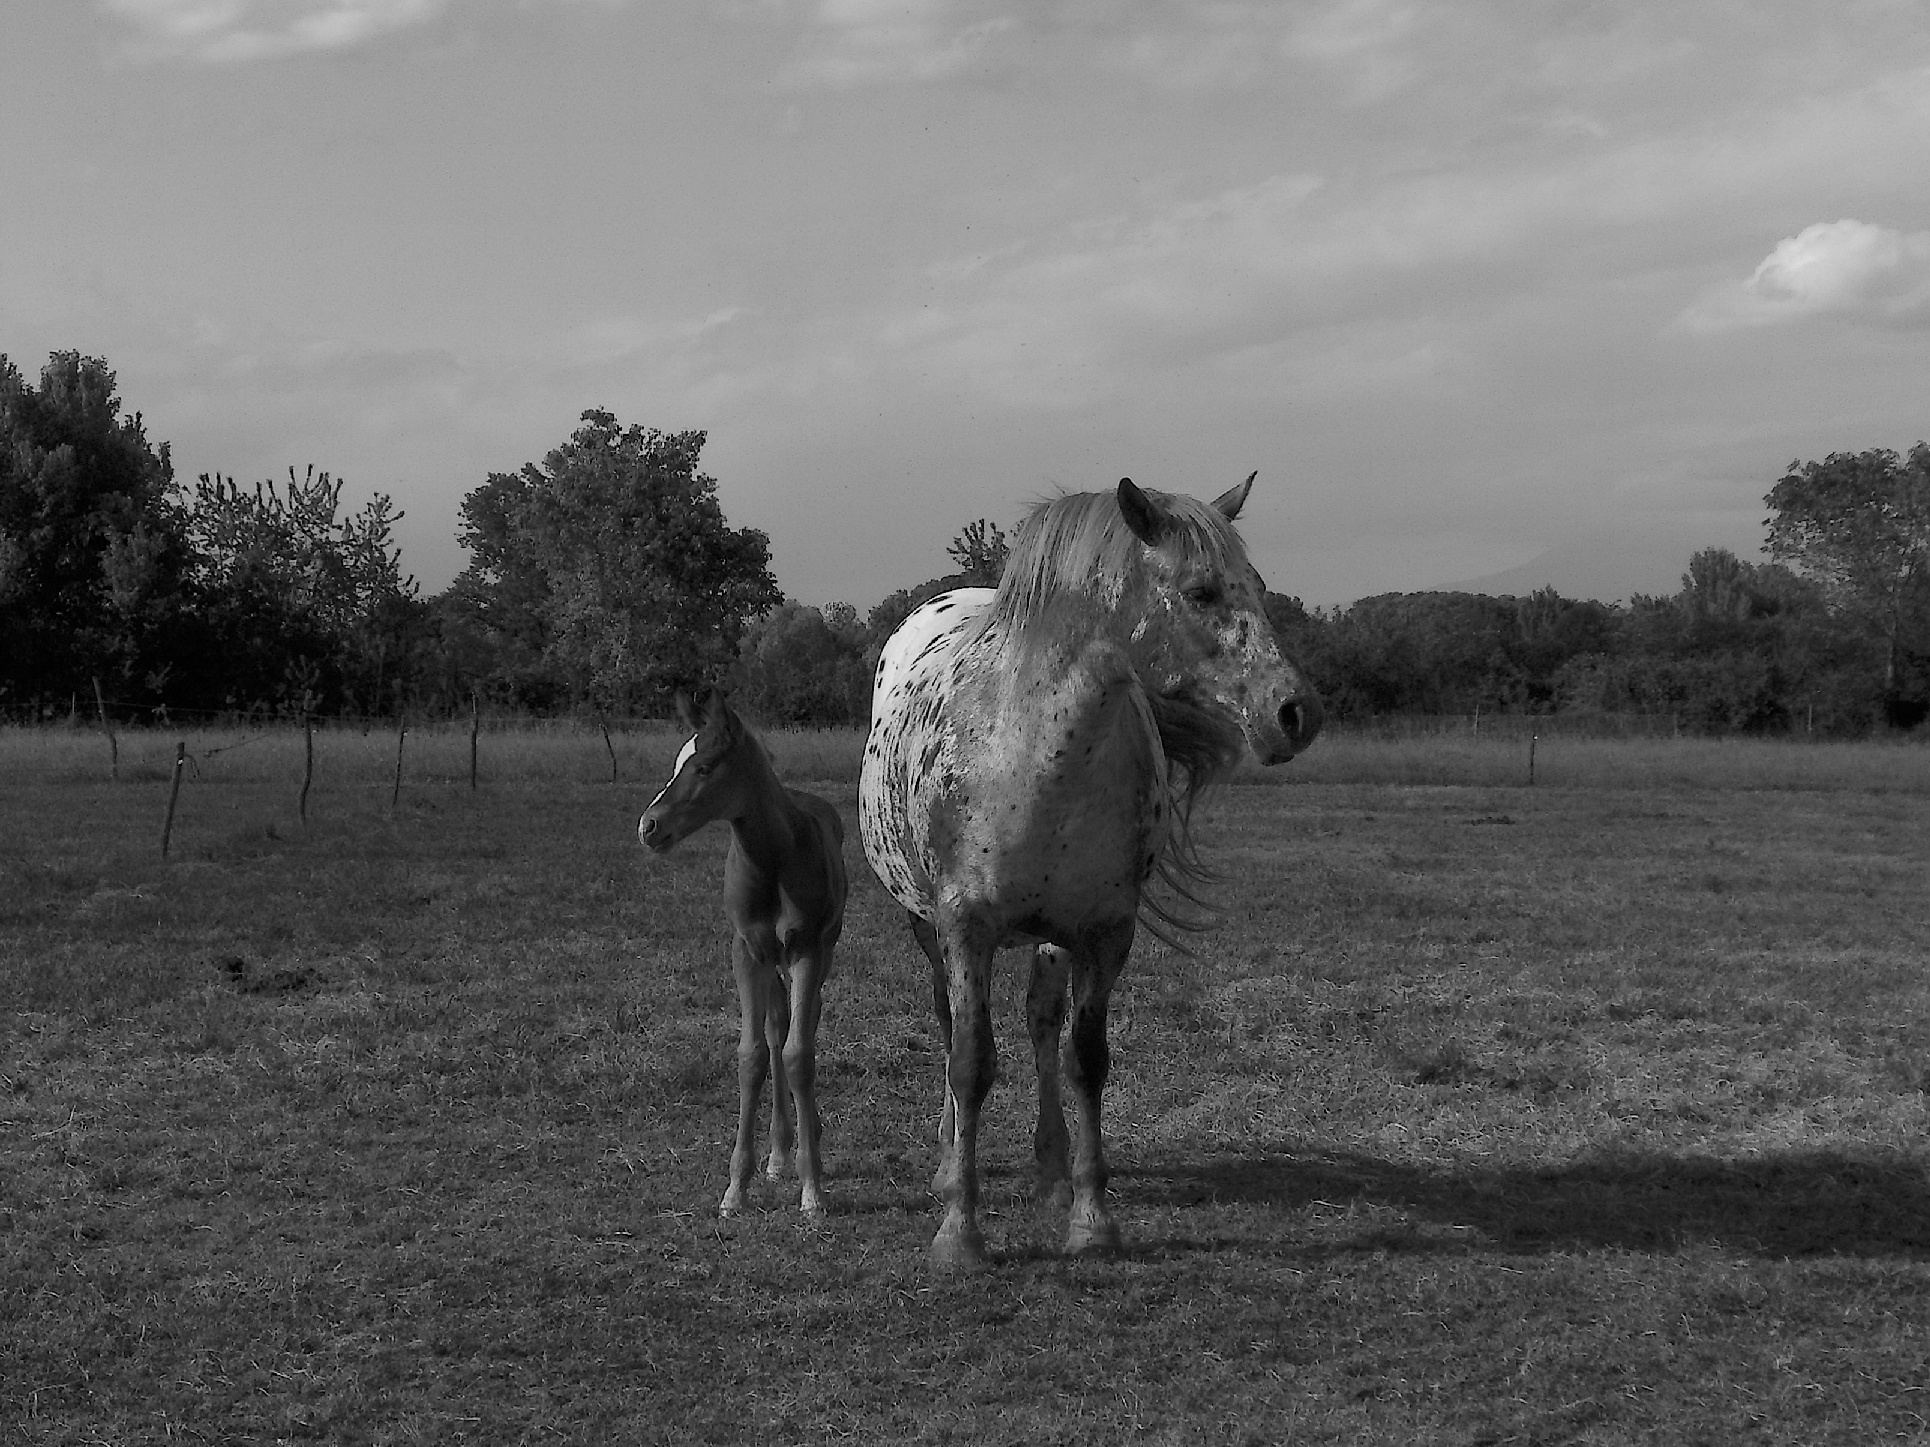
(1078, 546)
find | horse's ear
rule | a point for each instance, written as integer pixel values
(1145, 517)
(687, 712)
(1233, 499)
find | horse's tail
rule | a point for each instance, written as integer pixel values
(1203, 745)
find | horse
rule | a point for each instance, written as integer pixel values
(784, 893)
(1034, 757)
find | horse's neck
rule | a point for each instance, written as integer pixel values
(1063, 628)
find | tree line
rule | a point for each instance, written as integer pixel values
(606, 576)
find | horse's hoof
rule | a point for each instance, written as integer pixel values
(778, 1167)
(1093, 1238)
(814, 1211)
(958, 1250)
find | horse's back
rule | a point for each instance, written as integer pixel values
(907, 721)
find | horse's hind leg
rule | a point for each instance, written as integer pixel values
(1045, 1018)
(1095, 967)
(927, 938)
(753, 1064)
(808, 972)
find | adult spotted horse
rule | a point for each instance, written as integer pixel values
(1034, 756)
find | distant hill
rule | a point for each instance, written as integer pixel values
(1608, 567)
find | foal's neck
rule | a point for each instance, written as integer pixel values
(766, 829)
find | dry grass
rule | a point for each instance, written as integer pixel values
(1576, 1114)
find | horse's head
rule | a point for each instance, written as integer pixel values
(708, 781)
(1203, 635)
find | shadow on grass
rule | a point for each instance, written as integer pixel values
(1800, 1203)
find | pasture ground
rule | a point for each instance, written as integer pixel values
(1587, 1113)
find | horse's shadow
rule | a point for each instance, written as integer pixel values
(1795, 1203)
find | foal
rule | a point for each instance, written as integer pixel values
(784, 890)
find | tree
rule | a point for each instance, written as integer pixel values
(1859, 526)
(980, 550)
(305, 606)
(803, 665)
(612, 561)
(91, 546)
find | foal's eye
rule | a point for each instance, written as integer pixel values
(1202, 595)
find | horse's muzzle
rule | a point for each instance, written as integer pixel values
(1300, 719)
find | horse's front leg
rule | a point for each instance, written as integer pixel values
(970, 1068)
(753, 1064)
(808, 972)
(1045, 1018)
(1095, 967)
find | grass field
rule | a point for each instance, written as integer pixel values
(1588, 1113)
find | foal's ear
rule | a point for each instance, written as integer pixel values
(687, 712)
(1145, 517)
(1233, 499)
(718, 714)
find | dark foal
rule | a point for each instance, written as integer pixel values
(784, 891)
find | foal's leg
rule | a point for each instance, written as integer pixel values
(1045, 1018)
(753, 1064)
(777, 1034)
(1095, 967)
(971, 1066)
(927, 938)
(808, 972)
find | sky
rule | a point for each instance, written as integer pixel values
(1470, 285)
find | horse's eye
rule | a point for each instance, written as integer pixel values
(1203, 595)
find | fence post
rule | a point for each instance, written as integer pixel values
(174, 792)
(113, 744)
(475, 725)
(1534, 738)
(609, 747)
(308, 759)
(401, 733)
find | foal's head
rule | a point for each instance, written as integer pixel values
(712, 779)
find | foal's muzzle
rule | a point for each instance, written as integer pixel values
(652, 835)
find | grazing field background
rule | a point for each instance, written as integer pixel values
(1587, 1112)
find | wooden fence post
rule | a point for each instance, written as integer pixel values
(113, 744)
(1533, 738)
(609, 747)
(401, 733)
(174, 792)
(475, 726)
(308, 759)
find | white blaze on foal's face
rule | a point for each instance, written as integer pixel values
(648, 832)
(684, 756)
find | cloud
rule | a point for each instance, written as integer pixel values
(1847, 268)
(235, 31)
(863, 42)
